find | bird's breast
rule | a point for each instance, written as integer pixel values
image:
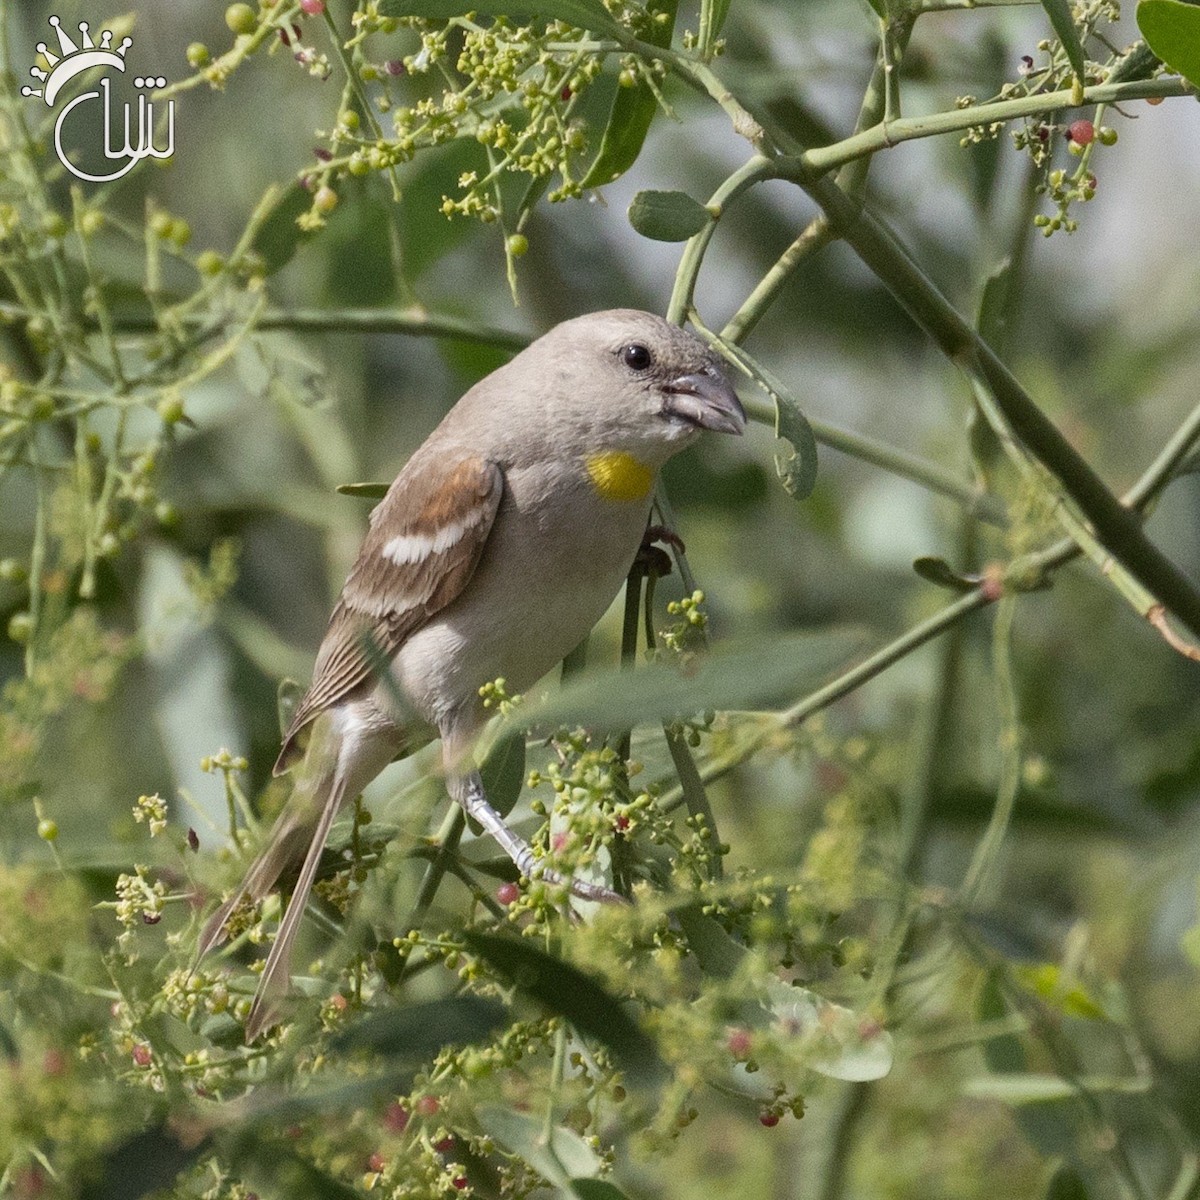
(556, 557)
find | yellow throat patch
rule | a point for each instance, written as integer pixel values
(617, 475)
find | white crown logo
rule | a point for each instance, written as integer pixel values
(74, 59)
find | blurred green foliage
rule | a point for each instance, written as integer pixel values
(940, 821)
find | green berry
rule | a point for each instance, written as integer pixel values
(240, 18)
(170, 409)
(181, 232)
(358, 165)
(91, 222)
(197, 53)
(209, 262)
(12, 571)
(1106, 135)
(518, 245)
(326, 199)
(47, 830)
(20, 627)
(161, 224)
(54, 224)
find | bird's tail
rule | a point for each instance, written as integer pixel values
(305, 822)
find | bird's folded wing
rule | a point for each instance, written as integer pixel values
(425, 539)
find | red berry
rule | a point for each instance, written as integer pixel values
(565, 94)
(339, 1002)
(193, 840)
(769, 1120)
(395, 1119)
(444, 1146)
(460, 1182)
(622, 822)
(428, 1106)
(738, 1042)
(1081, 132)
(376, 1162)
(507, 893)
(141, 1055)
(314, 8)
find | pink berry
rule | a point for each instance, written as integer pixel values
(1081, 132)
(769, 1120)
(395, 1120)
(314, 8)
(394, 66)
(428, 1106)
(738, 1043)
(376, 1162)
(507, 893)
(141, 1055)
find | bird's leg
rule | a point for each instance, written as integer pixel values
(468, 791)
(653, 559)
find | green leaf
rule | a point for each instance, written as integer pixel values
(740, 677)
(146, 1162)
(368, 491)
(994, 306)
(565, 989)
(503, 773)
(1021, 1090)
(279, 237)
(275, 1170)
(797, 469)
(419, 1031)
(563, 1160)
(667, 216)
(938, 570)
(713, 14)
(596, 1189)
(1065, 1184)
(1059, 12)
(1061, 989)
(632, 111)
(716, 952)
(1172, 31)
(1005, 1055)
(583, 14)
(853, 1050)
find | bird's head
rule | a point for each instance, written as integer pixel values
(628, 380)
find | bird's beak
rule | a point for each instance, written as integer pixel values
(706, 399)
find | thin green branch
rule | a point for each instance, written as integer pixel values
(987, 853)
(885, 135)
(911, 467)
(413, 321)
(812, 238)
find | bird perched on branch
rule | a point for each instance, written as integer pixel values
(497, 548)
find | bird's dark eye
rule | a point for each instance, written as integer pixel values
(636, 357)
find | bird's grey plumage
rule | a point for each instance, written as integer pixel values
(501, 542)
